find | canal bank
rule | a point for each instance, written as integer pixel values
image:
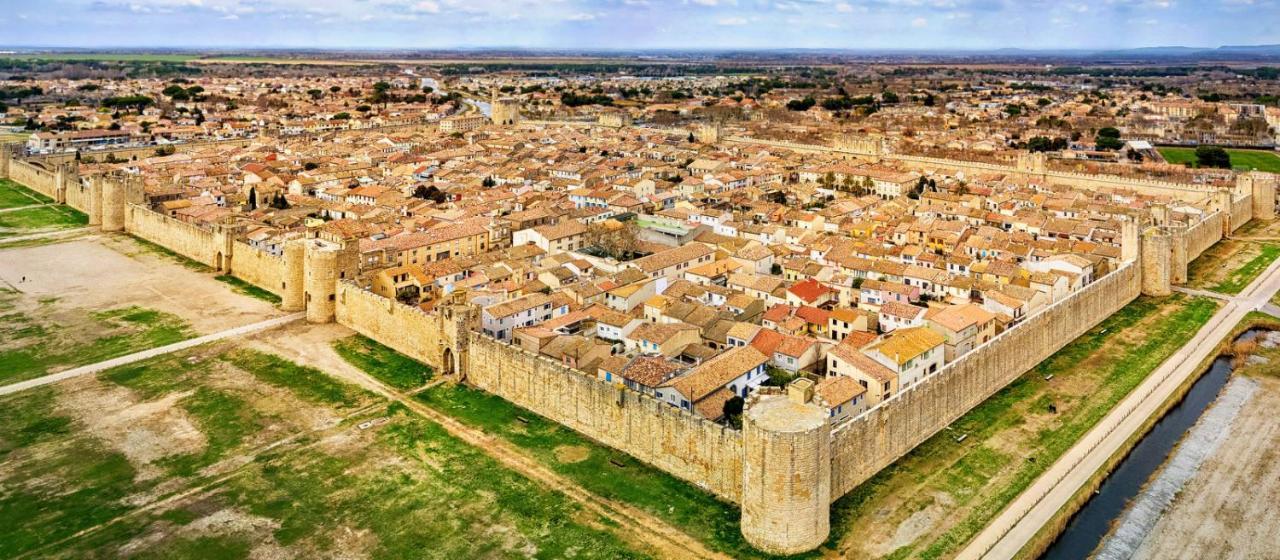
(1077, 528)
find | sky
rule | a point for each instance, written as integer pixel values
(639, 24)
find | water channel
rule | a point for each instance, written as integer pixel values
(1090, 525)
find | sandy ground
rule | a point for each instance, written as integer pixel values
(1231, 508)
(312, 345)
(106, 272)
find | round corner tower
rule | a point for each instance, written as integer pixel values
(293, 289)
(326, 263)
(786, 471)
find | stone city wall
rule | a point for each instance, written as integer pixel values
(1204, 235)
(405, 329)
(85, 196)
(191, 241)
(689, 447)
(1241, 211)
(34, 177)
(257, 267)
(139, 152)
(874, 440)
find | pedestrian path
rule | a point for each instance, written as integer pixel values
(148, 354)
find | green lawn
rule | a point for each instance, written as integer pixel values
(13, 195)
(971, 481)
(1229, 266)
(1238, 279)
(34, 345)
(245, 288)
(385, 364)
(307, 383)
(39, 220)
(1240, 159)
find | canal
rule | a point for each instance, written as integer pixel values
(1092, 523)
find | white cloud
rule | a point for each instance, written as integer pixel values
(919, 22)
(731, 21)
(844, 8)
(581, 17)
(427, 7)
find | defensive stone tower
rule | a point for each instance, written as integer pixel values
(294, 296)
(1130, 242)
(871, 146)
(504, 110)
(325, 263)
(1263, 188)
(1157, 256)
(1033, 163)
(66, 175)
(457, 317)
(6, 155)
(786, 471)
(116, 191)
(707, 133)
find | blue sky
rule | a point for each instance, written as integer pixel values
(623, 24)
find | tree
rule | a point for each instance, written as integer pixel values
(1039, 144)
(489, 182)
(617, 240)
(889, 98)
(733, 411)
(1108, 138)
(253, 198)
(1213, 156)
(801, 104)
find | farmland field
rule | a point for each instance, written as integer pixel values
(1240, 159)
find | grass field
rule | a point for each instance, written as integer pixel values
(42, 341)
(13, 195)
(245, 288)
(383, 363)
(40, 219)
(276, 461)
(944, 492)
(1230, 265)
(1240, 159)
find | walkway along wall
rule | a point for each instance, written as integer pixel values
(877, 438)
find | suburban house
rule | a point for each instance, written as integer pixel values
(706, 387)
(498, 320)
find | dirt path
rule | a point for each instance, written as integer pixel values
(1231, 508)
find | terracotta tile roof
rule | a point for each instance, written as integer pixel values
(717, 372)
(838, 389)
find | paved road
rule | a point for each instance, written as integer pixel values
(146, 354)
(1030, 511)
